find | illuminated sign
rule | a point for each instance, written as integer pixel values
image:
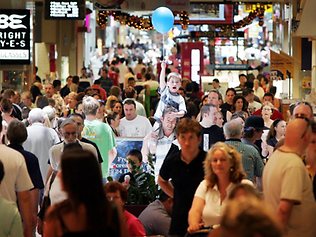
(64, 9)
(14, 36)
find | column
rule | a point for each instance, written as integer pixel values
(313, 63)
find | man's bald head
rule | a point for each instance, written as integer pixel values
(298, 134)
(303, 109)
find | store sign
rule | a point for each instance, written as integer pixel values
(64, 9)
(213, 34)
(14, 36)
(281, 62)
(239, 67)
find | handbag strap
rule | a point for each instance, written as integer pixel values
(52, 178)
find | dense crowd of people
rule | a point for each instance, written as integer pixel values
(211, 164)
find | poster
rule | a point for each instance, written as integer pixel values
(119, 163)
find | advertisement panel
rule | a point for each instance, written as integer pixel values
(14, 36)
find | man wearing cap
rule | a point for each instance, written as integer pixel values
(253, 131)
(286, 184)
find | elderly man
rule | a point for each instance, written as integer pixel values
(286, 183)
(158, 144)
(78, 118)
(98, 132)
(182, 172)
(251, 159)
(133, 125)
(69, 131)
(40, 139)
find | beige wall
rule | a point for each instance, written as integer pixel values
(63, 34)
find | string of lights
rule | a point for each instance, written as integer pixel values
(144, 22)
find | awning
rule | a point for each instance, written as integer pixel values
(307, 19)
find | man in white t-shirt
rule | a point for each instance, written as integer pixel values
(133, 125)
(287, 186)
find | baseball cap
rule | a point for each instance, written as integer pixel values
(255, 122)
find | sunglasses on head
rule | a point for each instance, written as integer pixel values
(309, 122)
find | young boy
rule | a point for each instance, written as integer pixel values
(141, 185)
(169, 95)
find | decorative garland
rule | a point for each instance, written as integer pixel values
(141, 23)
(144, 23)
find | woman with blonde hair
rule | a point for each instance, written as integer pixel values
(110, 100)
(223, 171)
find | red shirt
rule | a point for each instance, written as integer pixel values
(101, 90)
(275, 115)
(134, 226)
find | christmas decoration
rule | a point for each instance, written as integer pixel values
(141, 23)
(145, 23)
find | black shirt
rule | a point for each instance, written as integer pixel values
(227, 106)
(32, 166)
(210, 136)
(185, 179)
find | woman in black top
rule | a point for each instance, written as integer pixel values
(86, 212)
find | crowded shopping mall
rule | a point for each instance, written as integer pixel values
(175, 118)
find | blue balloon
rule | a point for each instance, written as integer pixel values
(162, 19)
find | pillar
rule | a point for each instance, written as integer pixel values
(313, 63)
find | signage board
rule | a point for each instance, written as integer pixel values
(14, 36)
(118, 166)
(65, 9)
(281, 62)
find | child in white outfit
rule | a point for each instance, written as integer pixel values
(169, 94)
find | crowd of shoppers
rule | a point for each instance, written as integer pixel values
(202, 163)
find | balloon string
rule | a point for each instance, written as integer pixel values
(163, 47)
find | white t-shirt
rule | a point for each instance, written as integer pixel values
(285, 177)
(138, 127)
(213, 208)
(39, 141)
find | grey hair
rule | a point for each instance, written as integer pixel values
(36, 115)
(68, 121)
(90, 105)
(233, 129)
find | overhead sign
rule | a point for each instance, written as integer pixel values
(213, 34)
(65, 9)
(14, 36)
